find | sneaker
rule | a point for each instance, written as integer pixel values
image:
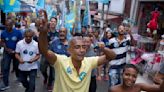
(45, 82)
(4, 88)
(37, 75)
(99, 78)
(1, 75)
(13, 71)
(49, 88)
(20, 85)
(17, 81)
(106, 77)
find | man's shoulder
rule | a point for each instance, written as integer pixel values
(35, 42)
(62, 59)
(20, 42)
(92, 57)
(116, 88)
(54, 41)
(138, 85)
(162, 68)
(4, 32)
(113, 39)
(59, 56)
(91, 60)
(16, 30)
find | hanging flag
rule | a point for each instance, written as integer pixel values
(69, 22)
(21, 5)
(78, 16)
(40, 4)
(50, 11)
(11, 5)
(87, 18)
(101, 1)
(63, 8)
(1, 4)
(70, 18)
(117, 6)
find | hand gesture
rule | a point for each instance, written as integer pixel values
(10, 51)
(21, 61)
(42, 21)
(30, 61)
(101, 45)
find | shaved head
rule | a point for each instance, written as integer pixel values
(63, 34)
(77, 48)
(63, 28)
(74, 40)
(9, 24)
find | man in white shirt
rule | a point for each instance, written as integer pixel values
(27, 54)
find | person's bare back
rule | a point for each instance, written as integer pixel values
(120, 88)
(129, 77)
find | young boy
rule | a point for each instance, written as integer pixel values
(129, 76)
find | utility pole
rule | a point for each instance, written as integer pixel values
(78, 16)
(3, 17)
(102, 21)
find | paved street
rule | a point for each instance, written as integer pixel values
(132, 29)
(102, 85)
(15, 87)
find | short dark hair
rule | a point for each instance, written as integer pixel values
(28, 31)
(130, 66)
(84, 27)
(86, 35)
(54, 18)
(11, 21)
(77, 34)
(17, 25)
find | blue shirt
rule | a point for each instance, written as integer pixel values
(51, 35)
(11, 38)
(106, 41)
(90, 53)
(58, 47)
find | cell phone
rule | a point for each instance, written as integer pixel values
(27, 61)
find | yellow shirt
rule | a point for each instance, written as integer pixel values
(66, 77)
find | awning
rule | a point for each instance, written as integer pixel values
(106, 17)
(93, 12)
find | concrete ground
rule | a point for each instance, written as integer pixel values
(102, 85)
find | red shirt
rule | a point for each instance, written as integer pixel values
(155, 15)
(152, 24)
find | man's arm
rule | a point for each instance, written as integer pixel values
(5, 47)
(158, 78)
(114, 89)
(108, 55)
(152, 88)
(132, 41)
(43, 42)
(35, 58)
(149, 87)
(162, 87)
(17, 56)
(110, 90)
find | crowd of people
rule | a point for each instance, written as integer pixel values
(74, 65)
